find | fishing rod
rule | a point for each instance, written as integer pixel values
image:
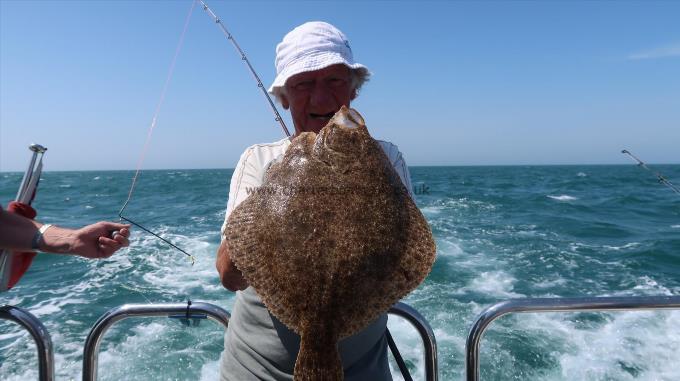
(658, 175)
(231, 38)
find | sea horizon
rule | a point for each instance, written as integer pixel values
(410, 166)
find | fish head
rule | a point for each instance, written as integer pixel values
(344, 141)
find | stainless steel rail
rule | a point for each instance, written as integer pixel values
(427, 336)
(185, 312)
(555, 305)
(42, 339)
(204, 310)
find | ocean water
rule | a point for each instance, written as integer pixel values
(501, 233)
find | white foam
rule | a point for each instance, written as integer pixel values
(550, 283)
(644, 341)
(563, 197)
(12, 335)
(449, 247)
(581, 174)
(623, 247)
(430, 210)
(210, 371)
(493, 284)
(675, 226)
(54, 305)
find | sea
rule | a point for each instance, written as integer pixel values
(502, 232)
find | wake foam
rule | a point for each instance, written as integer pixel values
(563, 197)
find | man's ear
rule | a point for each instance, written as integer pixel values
(284, 102)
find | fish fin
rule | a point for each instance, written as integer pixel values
(318, 362)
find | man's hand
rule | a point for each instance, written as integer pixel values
(231, 277)
(92, 241)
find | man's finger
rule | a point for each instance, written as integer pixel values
(123, 241)
(107, 247)
(114, 226)
(108, 241)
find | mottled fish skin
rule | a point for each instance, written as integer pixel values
(330, 240)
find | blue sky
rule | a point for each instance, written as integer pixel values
(454, 83)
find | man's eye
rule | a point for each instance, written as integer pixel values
(302, 86)
(337, 82)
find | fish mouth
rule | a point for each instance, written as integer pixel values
(347, 118)
(344, 132)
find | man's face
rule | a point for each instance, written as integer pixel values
(314, 97)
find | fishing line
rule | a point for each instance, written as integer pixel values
(244, 58)
(148, 137)
(658, 175)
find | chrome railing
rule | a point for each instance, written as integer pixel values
(555, 305)
(42, 339)
(421, 325)
(192, 312)
(187, 313)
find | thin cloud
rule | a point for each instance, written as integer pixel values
(672, 50)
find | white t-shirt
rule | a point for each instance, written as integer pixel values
(254, 162)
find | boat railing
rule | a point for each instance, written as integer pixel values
(43, 341)
(421, 325)
(188, 313)
(536, 305)
(191, 314)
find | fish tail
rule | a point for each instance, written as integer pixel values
(317, 362)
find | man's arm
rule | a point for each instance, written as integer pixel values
(91, 241)
(247, 175)
(231, 277)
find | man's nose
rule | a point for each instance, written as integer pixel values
(321, 96)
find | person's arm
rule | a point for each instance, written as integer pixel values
(230, 275)
(247, 176)
(91, 241)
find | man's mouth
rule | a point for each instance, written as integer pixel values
(321, 116)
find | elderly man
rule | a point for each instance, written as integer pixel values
(316, 75)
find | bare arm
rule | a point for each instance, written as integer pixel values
(231, 277)
(91, 241)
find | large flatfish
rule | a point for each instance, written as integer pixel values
(330, 240)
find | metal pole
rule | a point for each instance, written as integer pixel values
(28, 181)
(36, 148)
(554, 305)
(29, 192)
(42, 339)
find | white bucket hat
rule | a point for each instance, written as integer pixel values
(312, 46)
